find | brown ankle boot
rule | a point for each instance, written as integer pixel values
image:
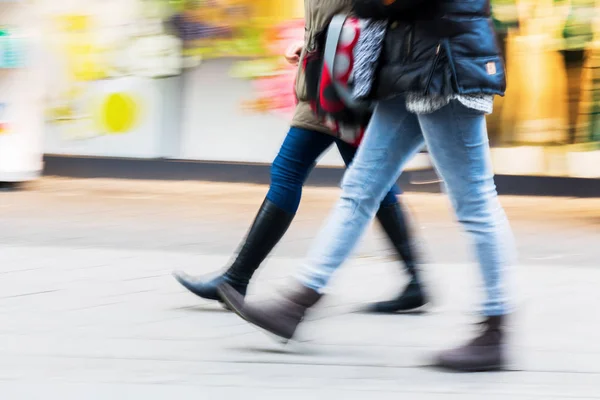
(484, 353)
(280, 317)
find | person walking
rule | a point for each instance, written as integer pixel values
(438, 73)
(305, 142)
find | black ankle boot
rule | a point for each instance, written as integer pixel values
(393, 221)
(411, 299)
(280, 316)
(266, 231)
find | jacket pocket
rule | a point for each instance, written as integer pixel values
(474, 74)
(300, 84)
(395, 47)
(312, 45)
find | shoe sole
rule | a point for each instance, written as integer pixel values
(427, 307)
(498, 367)
(491, 368)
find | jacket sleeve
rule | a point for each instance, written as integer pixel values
(388, 9)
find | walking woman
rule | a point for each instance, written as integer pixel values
(438, 72)
(306, 140)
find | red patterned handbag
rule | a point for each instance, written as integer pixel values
(328, 73)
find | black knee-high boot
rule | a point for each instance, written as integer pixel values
(393, 220)
(266, 231)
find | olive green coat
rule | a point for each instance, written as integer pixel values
(317, 14)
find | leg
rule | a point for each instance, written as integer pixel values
(348, 152)
(289, 171)
(393, 137)
(458, 144)
(457, 140)
(294, 162)
(394, 223)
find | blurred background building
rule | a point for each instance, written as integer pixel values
(205, 80)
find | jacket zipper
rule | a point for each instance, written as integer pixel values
(433, 67)
(409, 40)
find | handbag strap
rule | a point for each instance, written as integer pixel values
(334, 32)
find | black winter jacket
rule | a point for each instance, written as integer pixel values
(440, 47)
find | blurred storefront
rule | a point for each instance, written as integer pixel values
(112, 75)
(205, 80)
(546, 124)
(238, 104)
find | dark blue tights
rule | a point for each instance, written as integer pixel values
(297, 157)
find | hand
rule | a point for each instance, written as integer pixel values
(292, 54)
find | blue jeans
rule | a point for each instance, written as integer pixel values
(297, 156)
(457, 141)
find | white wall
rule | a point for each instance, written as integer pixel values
(216, 128)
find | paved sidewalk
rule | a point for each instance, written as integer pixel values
(89, 310)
